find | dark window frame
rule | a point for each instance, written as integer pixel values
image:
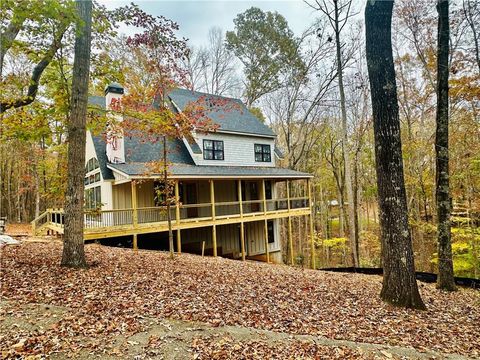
(265, 153)
(216, 151)
(270, 232)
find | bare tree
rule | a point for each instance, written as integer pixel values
(399, 283)
(193, 65)
(218, 65)
(338, 12)
(73, 246)
(471, 10)
(296, 109)
(213, 68)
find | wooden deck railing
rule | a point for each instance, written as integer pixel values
(99, 219)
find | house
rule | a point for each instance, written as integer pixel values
(230, 195)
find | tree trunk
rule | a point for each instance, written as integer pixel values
(445, 261)
(73, 246)
(352, 233)
(399, 283)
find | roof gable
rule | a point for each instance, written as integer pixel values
(235, 118)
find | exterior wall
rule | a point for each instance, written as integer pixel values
(106, 185)
(255, 238)
(228, 239)
(238, 150)
(89, 148)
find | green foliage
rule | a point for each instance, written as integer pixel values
(267, 48)
(339, 243)
(258, 113)
(465, 250)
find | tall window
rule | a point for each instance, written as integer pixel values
(213, 150)
(262, 153)
(93, 197)
(270, 231)
(93, 194)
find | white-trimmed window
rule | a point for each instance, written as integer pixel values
(213, 150)
(262, 153)
(93, 191)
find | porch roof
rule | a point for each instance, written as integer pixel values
(185, 171)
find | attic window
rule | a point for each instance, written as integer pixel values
(92, 164)
(262, 153)
(213, 150)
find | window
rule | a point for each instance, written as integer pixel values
(271, 235)
(93, 197)
(262, 153)
(268, 190)
(213, 150)
(92, 164)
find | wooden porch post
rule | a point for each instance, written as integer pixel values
(312, 233)
(134, 213)
(242, 229)
(177, 215)
(134, 204)
(135, 243)
(214, 227)
(265, 224)
(290, 240)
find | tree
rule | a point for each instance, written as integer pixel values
(297, 109)
(338, 14)
(73, 246)
(471, 11)
(44, 23)
(267, 48)
(445, 261)
(399, 284)
(218, 70)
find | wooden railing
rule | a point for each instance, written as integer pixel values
(97, 219)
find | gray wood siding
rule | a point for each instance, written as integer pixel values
(238, 150)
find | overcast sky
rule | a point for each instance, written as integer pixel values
(195, 18)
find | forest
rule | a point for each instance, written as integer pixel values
(311, 87)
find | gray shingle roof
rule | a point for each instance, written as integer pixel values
(98, 101)
(206, 171)
(139, 152)
(100, 149)
(236, 117)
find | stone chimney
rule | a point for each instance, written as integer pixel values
(115, 149)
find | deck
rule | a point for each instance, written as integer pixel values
(100, 224)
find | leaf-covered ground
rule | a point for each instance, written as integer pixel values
(123, 293)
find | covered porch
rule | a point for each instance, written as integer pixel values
(199, 206)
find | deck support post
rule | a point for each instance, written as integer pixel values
(177, 216)
(290, 239)
(265, 222)
(134, 213)
(242, 229)
(214, 227)
(135, 243)
(312, 233)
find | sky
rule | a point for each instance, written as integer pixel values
(195, 18)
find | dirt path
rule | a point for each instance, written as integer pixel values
(173, 339)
